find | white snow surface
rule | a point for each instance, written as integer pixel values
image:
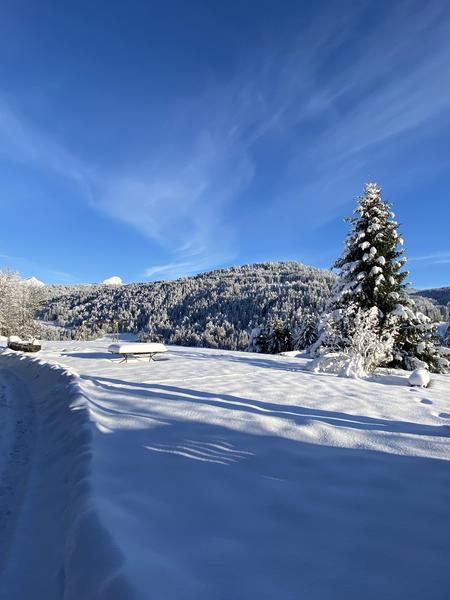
(136, 348)
(212, 475)
(420, 377)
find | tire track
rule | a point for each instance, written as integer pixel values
(18, 437)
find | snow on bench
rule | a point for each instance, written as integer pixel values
(135, 349)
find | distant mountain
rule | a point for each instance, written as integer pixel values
(115, 280)
(33, 281)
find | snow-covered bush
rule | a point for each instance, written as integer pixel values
(353, 343)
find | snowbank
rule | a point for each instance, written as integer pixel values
(56, 540)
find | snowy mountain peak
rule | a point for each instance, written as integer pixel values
(33, 281)
(115, 280)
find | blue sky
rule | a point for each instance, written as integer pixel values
(158, 139)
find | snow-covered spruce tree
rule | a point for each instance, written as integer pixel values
(279, 338)
(417, 342)
(371, 266)
(371, 276)
(253, 345)
(262, 340)
(307, 333)
(273, 339)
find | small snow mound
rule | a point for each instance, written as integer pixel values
(115, 280)
(419, 378)
(340, 364)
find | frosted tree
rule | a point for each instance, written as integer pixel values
(417, 341)
(18, 305)
(356, 342)
(371, 276)
(253, 345)
(9, 302)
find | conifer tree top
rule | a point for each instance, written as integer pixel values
(371, 264)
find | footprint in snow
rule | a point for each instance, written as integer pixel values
(444, 415)
(426, 401)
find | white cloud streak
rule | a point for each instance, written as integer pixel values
(436, 258)
(393, 82)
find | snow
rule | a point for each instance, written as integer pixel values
(420, 377)
(209, 474)
(115, 280)
(137, 348)
(400, 311)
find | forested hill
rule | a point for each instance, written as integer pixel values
(440, 295)
(216, 309)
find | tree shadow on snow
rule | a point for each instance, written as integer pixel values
(90, 355)
(277, 362)
(286, 518)
(298, 414)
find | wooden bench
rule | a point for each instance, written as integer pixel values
(19, 345)
(149, 349)
(24, 346)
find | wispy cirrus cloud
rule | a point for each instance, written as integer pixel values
(26, 143)
(329, 98)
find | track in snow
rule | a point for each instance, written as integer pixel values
(52, 543)
(16, 448)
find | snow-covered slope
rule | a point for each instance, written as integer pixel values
(219, 475)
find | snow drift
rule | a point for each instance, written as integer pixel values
(53, 543)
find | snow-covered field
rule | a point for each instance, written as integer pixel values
(214, 475)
